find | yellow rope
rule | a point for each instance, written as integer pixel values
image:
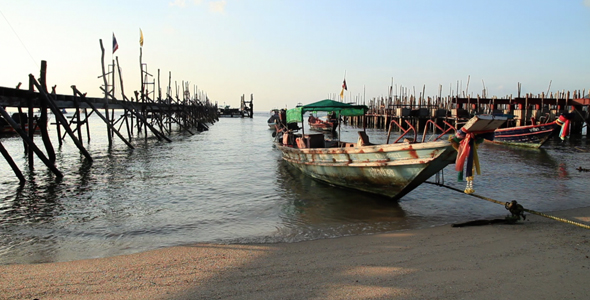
(527, 210)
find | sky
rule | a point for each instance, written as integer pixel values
(285, 52)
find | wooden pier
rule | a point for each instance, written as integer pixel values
(526, 109)
(148, 114)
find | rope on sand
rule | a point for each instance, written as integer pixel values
(524, 209)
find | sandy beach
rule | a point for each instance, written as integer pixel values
(539, 258)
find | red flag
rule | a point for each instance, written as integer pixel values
(115, 45)
(344, 85)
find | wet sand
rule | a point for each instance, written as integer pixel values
(539, 258)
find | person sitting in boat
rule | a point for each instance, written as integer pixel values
(333, 115)
(274, 118)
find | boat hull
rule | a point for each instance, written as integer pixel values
(391, 170)
(231, 115)
(528, 136)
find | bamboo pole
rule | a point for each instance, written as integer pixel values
(106, 93)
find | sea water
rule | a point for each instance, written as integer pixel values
(229, 185)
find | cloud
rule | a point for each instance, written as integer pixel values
(587, 3)
(179, 3)
(217, 6)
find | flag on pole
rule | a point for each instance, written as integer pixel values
(344, 87)
(115, 45)
(140, 38)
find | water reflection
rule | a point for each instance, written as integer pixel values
(314, 209)
(534, 159)
(33, 203)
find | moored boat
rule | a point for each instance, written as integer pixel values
(531, 135)
(22, 118)
(273, 119)
(228, 112)
(391, 170)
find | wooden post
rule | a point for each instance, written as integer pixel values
(31, 132)
(22, 122)
(129, 130)
(43, 120)
(106, 93)
(87, 125)
(169, 98)
(24, 136)
(77, 116)
(58, 129)
(13, 165)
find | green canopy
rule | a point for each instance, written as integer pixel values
(343, 109)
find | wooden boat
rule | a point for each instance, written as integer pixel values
(329, 123)
(531, 135)
(392, 170)
(6, 128)
(273, 119)
(228, 112)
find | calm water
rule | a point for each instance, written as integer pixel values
(229, 185)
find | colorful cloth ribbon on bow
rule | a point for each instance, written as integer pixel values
(466, 144)
(564, 122)
(467, 154)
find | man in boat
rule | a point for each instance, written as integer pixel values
(332, 116)
(284, 124)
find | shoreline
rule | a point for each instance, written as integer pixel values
(538, 258)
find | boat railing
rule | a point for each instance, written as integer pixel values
(404, 131)
(444, 131)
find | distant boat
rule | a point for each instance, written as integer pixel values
(228, 112)
(530, 135)
(6, 128)
(274, 118)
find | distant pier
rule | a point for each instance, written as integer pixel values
(148, 114)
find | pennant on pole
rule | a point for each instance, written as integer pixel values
(115, 45)
(140, 38)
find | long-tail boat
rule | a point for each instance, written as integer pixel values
(392, 170)
(532, 135)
